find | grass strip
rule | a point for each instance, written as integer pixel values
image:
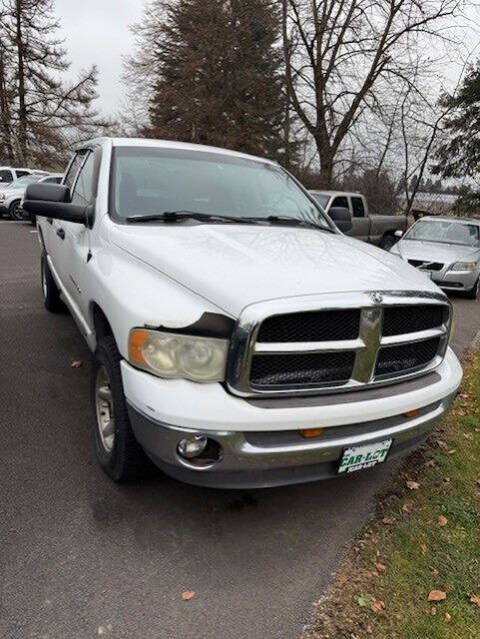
(414, 571)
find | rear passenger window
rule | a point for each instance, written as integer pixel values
(83, 190)
(358, 208)
(5, 177)
(22, 173)
(341, 201)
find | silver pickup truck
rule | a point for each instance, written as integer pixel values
(376, 229)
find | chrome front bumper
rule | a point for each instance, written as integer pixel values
(263, 459)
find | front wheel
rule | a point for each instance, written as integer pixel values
(118, 452)
(474, 293)
(387, 242)
(14, 211)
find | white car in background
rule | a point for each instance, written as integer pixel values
(9, 175)
(11, 196)
(447, 249)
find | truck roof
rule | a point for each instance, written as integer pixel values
(335, 193)
(169, 144)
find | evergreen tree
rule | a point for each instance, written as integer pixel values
(41, 113)
(459, 155)
(217, 75)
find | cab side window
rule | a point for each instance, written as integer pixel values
(22, 173)
(358, 207)
(340, 201)
(83, 191)
(5, 177)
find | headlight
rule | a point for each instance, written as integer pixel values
(170, 355)
(464, 266)
(2, 196)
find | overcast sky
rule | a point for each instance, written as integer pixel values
(96, 32)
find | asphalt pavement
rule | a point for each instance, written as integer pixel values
(81, 557)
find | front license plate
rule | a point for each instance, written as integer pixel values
(361, 457)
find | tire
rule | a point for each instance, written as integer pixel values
(118, 452)
(33, 219)
(14, 210)
(51, 294)
(474, 293)
(387, 242)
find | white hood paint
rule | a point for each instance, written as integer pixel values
(233, 266)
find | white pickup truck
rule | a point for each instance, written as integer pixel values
(239, 338)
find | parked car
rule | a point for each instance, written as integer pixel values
(239, 339)
(50, 178)
(9, 175)
(446, 248)
(11, 195)
(376, 229)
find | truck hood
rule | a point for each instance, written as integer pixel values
(436, 251)
(233, 266)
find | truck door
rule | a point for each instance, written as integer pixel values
(360, 221)
(77, 236)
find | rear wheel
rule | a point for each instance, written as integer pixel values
(118, 452)
(33, 219)
(387, 242)
(51, 294)
(14, 210)
(475, 292)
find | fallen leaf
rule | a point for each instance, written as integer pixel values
(76, 363)
(431, 463)
(413, 485)
(424, 549)
(442, 521)
(380, 567)
(451, 452)
(388, 521)
(448, 617)
(377, 607)
(365, 601)
(435, 572)
(475, 599)
(188, 594)
(342, 579)
(437, 595)
(406, 508)
(433, 611)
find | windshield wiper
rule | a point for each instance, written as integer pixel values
(285, 219)
(178, 216)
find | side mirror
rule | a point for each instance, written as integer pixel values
(342, 218)
(53, 200)
(398, 234)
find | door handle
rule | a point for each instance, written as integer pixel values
(61, 234)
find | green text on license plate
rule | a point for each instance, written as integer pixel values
(360, 457)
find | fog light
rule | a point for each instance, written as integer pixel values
(192, 447)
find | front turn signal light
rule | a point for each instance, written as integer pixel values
(311, 433)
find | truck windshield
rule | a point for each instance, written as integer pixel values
(149, 181)
(445, 232)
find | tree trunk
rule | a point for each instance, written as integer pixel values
(5, 110)
(327, 157)
(22, 111)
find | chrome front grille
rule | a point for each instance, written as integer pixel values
(315, 344)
